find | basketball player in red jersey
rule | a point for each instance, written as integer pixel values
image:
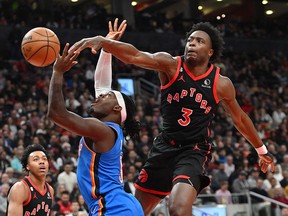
(32, 195)
(191, 89)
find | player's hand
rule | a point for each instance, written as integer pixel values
(265, 161)
(66, 61)
(116, 33)
(93, 42)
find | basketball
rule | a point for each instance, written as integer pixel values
(40, 46)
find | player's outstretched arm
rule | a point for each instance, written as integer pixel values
(103, 71)
(227, 96)
(129, 54)
(57, 112)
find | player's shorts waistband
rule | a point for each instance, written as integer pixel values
(181, 143)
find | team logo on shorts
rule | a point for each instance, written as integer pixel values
(143, 176)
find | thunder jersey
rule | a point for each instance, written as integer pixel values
(38, 203)
(100, 180)
(188, 103)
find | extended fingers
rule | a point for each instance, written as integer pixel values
(110, 26)
(78, 46)
(65, 50)
(265, 164)
(115, 24)
(272, 167)
(123, 25)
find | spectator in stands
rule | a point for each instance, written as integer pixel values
(75, 209)
(63, 205)
(4, 188)
(284, 211)
(274, 187)
(229, 166)
(278, 115)
(8, 142)
(60, 188)
(5, 179)
(284, 181)
(240, 185)
(129, 183)
(282, 150)
(219, 175)
(280, 197)
(259, 205)
(278, 173)
(259, 190)
(4, 162)
(253, 177)
(223, 195)
(67, 177)
(16, 163)
(284, 164)
(83, 206)
(13, 176)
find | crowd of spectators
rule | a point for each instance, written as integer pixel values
(90, 15)
(261, 81)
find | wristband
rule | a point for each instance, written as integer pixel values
(262, 150)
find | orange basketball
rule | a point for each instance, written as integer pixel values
(40, 46)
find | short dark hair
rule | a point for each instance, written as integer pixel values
(214, 34)
(28, 151)
(131, 126)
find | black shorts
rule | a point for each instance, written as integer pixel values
(169, 162)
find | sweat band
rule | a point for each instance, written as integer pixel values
(262, 150)
(121, 103)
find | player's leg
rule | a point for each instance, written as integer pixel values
(188, 178)
(181, 199)
(147, 201)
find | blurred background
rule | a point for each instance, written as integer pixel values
(255, 59)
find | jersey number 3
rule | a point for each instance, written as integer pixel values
(186, 115)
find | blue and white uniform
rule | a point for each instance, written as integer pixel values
(100, 180)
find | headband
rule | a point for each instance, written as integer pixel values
(121, 103)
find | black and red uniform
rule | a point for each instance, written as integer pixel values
(182, 150)
(38, 203)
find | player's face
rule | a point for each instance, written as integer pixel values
(198, 47)
(103, 105)
(38, 163)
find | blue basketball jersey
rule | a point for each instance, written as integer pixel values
(100, 180)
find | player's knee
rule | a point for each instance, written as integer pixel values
(178, 209)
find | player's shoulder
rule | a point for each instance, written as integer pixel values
(224, 81)
(19, 185)
(18, 189)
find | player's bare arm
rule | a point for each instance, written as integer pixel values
(227, 96)
(127, 53)
(57, 112)
(18, 195)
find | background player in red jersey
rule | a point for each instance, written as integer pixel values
(32, 195)
(191, 89)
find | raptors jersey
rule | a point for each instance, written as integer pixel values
(39, 203)
(100, 180)
(188, 103)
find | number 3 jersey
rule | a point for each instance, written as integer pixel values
(188, 103)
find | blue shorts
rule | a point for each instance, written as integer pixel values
(119, 203)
